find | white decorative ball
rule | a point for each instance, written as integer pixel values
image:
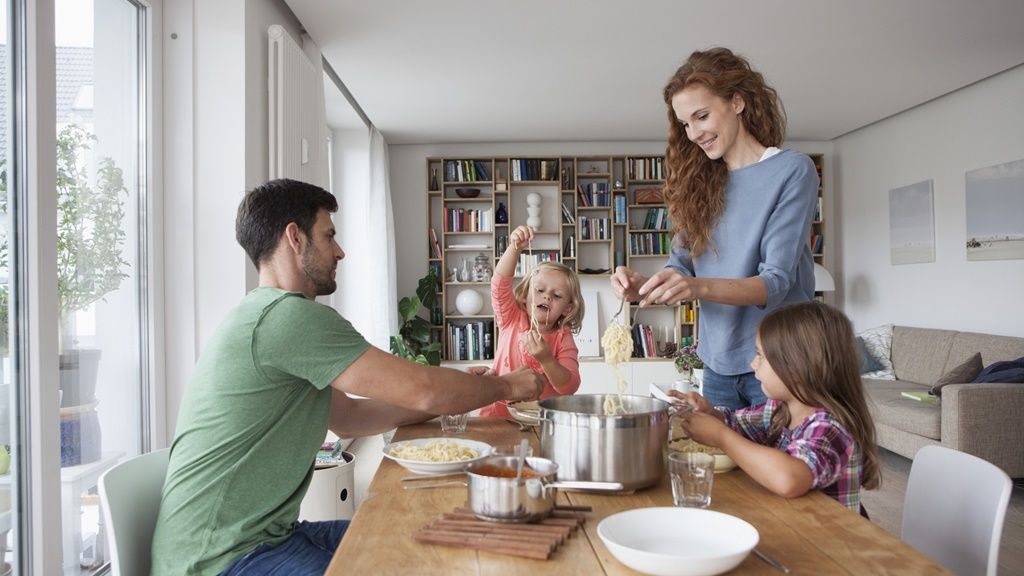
(533, 199)
(469, 302)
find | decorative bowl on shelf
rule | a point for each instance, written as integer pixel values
(467, 192)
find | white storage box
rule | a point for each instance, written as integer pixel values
(331, 494)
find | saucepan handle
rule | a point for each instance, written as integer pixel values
(602, 486)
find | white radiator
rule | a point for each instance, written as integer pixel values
(298, 131)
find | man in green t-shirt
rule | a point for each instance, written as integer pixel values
(274, 377)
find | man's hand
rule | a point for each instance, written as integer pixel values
(524, 383)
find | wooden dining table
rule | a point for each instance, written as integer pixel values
(812, 534)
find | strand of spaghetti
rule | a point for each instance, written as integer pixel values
(529, 278)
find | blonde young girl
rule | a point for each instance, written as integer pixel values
(535, 321)
(814, 432)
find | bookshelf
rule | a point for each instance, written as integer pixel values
(595, 213)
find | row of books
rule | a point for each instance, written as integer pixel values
(644, 344)
(817, 211)
(523, 169)
(567, 217)
(619, 209)
(594, 194)
(816, 243)
(646, 169)
(434, 248)
(466, 171)
(595, 228)
(527, 262)
(647, 243)
(471, 341)
(656, 219)
(468, 220)
(569, 250)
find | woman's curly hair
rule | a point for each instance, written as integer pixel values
(695, 184)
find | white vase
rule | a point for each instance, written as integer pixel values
(469, 302)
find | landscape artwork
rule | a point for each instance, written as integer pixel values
(995, 212)
(912, 224)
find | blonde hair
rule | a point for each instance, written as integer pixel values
(574, 317)
(811, 347)
(695, 184)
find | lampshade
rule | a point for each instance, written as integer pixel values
(822, 279)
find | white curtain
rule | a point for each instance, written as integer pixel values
(381, 280)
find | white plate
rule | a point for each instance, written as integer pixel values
(420, 467)
(677, 541)
(527, 412)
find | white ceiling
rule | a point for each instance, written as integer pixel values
(564, 70)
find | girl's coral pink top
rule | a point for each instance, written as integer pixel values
(510, 353)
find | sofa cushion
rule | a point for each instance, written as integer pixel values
(992, 348)
(888, 406)
(878, 342)
(868, 363)
(920, 354)
(963, 373)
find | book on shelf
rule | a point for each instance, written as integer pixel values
(435, 246)
(567, 217)
(919, 395)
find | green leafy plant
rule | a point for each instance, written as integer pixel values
(90, 236)
(413, 339)
(687, 360)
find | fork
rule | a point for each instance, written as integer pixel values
(622, 305)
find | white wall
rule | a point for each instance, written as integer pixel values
(217, 129)
(977, 126)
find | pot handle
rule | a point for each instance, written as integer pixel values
(432, 485)
(602, 486)
(533, 420)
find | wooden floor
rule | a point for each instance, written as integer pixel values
(885, 506)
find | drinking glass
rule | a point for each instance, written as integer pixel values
(454, 423)
(692, 474)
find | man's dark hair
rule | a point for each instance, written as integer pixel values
(267, 210)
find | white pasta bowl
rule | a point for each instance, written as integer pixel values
(677, 541)
(482, 450)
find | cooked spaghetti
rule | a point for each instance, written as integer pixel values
(691, 445)
(617, 342)
(434, 451)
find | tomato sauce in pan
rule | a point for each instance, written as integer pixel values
(505, 472)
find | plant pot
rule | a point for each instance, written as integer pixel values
(78, 369)
(80, 441)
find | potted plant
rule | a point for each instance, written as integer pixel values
(689, 364)
(413, 339)
(90, 240)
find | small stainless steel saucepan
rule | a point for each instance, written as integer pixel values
(496, 495)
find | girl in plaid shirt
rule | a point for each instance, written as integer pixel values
(814, 432)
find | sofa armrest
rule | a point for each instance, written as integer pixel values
(985, 420)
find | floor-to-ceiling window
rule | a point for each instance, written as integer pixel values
(101, 188)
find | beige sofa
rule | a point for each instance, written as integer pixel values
(986, 420)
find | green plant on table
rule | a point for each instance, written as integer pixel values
(413, 341)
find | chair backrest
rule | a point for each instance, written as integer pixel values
(954, 509)
(130, 496)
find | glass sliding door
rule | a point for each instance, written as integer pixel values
(101, 257)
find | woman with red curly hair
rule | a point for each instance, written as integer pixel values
(741, 211)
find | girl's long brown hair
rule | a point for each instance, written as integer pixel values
(811, 348)
(695, 184)
(574, 317)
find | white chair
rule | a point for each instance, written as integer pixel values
(130, 496)
(954, 509)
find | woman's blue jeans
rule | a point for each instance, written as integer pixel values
(738, 391)
(307, 551)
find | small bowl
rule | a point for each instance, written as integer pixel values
(467, 192)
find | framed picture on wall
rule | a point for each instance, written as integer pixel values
(995, 205)
(912, 224)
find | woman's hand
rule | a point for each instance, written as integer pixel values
(669, 286)
(626, 282)
(520, 237)
(537, 347)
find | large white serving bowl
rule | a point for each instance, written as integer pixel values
(482, 450)
(677, 541)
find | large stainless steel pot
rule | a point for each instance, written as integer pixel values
(590, 446)
(528, 499)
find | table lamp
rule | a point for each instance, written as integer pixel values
(823, 281)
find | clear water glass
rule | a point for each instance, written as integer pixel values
(454, 423)
(692, 475)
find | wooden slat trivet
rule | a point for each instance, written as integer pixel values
(462, 529)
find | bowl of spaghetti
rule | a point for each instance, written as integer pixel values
(437, 455)
(723, 463)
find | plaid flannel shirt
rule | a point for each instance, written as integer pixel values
(820, 441)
